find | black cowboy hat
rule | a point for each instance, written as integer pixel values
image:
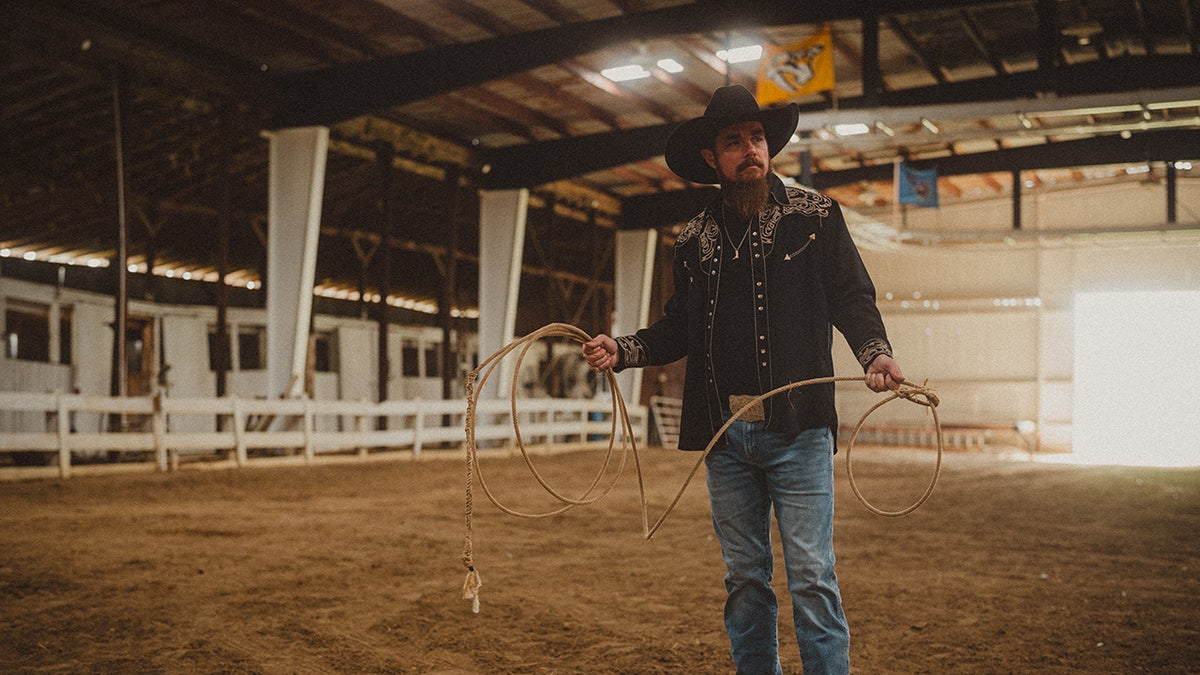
(728, 105)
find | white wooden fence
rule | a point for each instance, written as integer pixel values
(346, 428)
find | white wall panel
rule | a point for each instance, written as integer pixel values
(973, 272)
(358, 354)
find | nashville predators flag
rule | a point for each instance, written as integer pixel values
(802, 68)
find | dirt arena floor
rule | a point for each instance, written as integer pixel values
(1011, 567)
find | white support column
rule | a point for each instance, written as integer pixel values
(297, 181)
(633, 274)
(502, 216)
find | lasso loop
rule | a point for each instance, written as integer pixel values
(920, 395)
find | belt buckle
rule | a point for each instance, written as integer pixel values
(755, 413)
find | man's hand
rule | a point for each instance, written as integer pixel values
(884, 374)
(601, 353)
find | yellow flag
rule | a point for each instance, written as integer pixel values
(795, 70)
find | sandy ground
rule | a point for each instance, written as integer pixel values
(1011, 567)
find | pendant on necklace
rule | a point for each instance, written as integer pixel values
(735, 254)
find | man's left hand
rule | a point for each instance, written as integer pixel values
(884, 374)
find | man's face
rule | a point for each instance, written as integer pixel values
(739, 153)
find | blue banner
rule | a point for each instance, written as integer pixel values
(917, 186)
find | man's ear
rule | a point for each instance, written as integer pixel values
(709, 157)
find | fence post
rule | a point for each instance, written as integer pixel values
(239, 426)
(309, 451)
(64, 436)
(418, 425)
(158, 425)
(360, 426)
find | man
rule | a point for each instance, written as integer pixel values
(761, 278)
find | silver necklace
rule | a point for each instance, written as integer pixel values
(737, 248)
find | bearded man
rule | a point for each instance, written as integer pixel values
(762, 276)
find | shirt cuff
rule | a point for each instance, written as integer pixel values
(631, 353)
(871, 349)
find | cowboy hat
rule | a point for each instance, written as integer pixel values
(728, 105)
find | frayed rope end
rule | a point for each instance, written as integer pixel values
(471, 588)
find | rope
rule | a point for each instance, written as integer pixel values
(920, 395)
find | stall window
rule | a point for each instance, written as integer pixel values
(27, 331)
(410, 360)
(324, 354)
(433, 360)
(251, 348)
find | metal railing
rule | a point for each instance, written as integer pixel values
(148, 430)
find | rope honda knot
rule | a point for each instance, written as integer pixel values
(914, 393)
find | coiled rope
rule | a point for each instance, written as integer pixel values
(920, 395)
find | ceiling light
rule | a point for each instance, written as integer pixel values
(624, 73)
(884, 128)
(740, 54)
(854, 129)
(1165, 105)
(29, 255)
(1024, 120)
(928, 124)
(670, 65)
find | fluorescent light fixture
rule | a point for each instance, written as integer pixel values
(740, 54)
(1024, 120)
(1183, 166)
(670, 65)
(853, 129)
(624, 73)
(879, 124)
(928, 124)
(1094, 110)
(1131, 170)
(1165, 105)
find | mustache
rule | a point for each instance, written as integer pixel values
(749, 163)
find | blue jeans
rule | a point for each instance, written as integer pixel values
(756, 472)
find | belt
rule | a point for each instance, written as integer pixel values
(754, 414)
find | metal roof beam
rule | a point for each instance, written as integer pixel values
(668, 208)
(340, 92)
(537, 163)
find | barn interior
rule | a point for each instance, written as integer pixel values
(221, 455)
(138, 155)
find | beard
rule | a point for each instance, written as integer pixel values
(747, 198)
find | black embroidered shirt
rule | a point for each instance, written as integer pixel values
(765, 319)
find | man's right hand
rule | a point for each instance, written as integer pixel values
(600, 352)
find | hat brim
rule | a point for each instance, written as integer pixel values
(689, 138)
